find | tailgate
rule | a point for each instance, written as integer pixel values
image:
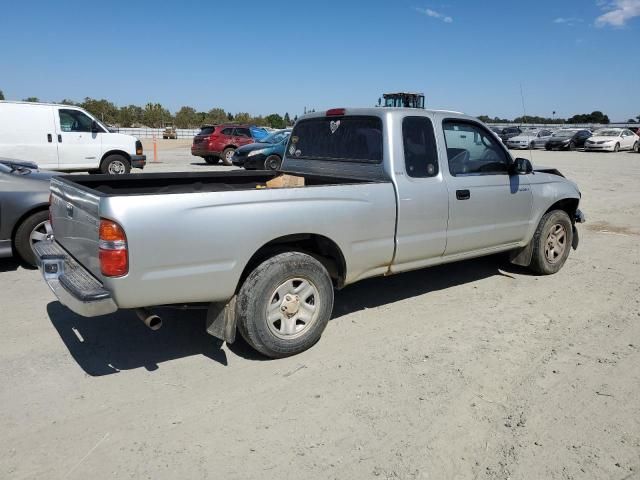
(75, 220)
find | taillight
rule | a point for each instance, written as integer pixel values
(335, 112)
(113, 254)
(138, 147)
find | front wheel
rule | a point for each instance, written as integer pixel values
(616, 149)
(547, 148)
(532, 146)
(635, 147)
(284, 304)
(33, 229)
(272, 162)
(572, 146)
(551, 242)
(115, 165)
(227, 156)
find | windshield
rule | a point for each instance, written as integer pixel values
(607, 133)
(276, 137)
(351, 138)
(565, 133)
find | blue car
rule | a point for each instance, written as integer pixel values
(265, 154)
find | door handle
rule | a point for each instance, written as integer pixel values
(59, 138)
(49, 138)
(463, 194)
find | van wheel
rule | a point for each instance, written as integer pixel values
(227, 155)
(551, 242)
(34, 228)
(284, 304)
(115, 165)
(211, 160)
(272, 162)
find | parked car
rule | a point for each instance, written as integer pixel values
(215, 142)
(509, 132)
(371, 195)
(612, 140)
(170, 132)
(66, 138)
(266, 154)
(530, 139)
(567, 139)
(24, 208)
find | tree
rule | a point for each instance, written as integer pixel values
(638, 118)
(287, 119)
(275, 121)
(631, 120)
(230, 117)
(187, 117)
(155, 115)
(101, 109)
(31, 99)
(216, 116)
(242, 117)
(66, 101)
(1, 95)
(130, 116)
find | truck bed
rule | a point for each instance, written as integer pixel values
(191, 182)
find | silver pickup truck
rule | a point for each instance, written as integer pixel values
(385, 191)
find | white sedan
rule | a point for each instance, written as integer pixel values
(612, 140)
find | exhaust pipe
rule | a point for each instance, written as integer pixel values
(151, 320)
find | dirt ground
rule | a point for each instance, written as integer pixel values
(473, 370)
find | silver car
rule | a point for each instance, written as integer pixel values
(530, 139)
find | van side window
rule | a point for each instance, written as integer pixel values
(74, 121)
(420, 153)
(472, 150)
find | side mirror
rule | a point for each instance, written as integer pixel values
(95, 128)
(521, 166)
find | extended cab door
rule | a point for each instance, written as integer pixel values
(423, 203)
(78, 146)
(488, 208)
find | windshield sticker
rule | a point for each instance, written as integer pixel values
(292, 149)
(298, 153)
(334, 125)
(294, 139)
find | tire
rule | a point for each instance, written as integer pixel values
(616, 149)
(115, 165)
(227, 153)
(212, 160)
(548, 148)
(273, 162)
(34, 228)
(551, 243)
(280, 282)
(532, 146)
(164, 138)
(572, 146)
(635, 147)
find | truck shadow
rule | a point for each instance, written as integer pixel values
(379, 291)
(111, 343)
(9, 265)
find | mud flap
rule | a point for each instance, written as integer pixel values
(221, 320)
(522, 256)
(576, 238)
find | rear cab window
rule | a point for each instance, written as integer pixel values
(355, 138)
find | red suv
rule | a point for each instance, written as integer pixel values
(215, 142)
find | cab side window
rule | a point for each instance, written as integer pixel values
(74, 121)
(473, 150)
(420, 153)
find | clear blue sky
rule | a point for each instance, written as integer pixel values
(572, 56)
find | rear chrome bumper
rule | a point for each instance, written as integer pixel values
(74, 286)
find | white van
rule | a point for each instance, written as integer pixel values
(64, 137)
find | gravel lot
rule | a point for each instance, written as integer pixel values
(472, 370)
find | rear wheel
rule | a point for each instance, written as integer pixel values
(551, 242)
(547, 147)
(272, 162)
(34, 228)
(284, 304)
(227, 156)
(115, 165)
(211, 160)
